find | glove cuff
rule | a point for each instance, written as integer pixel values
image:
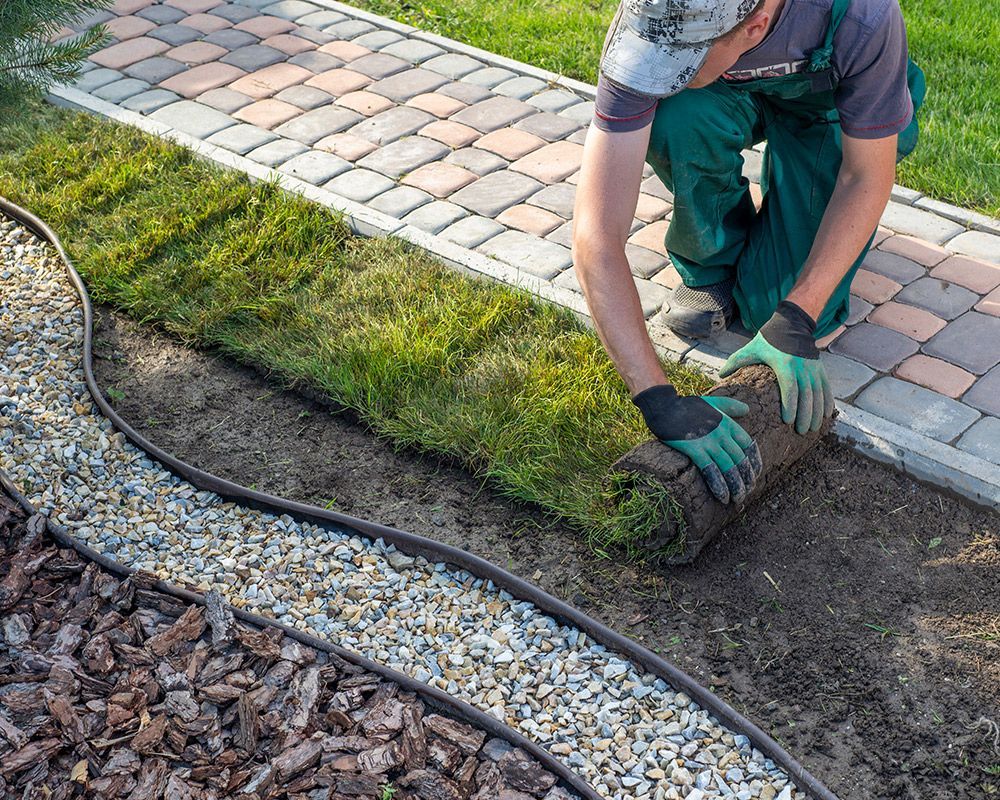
(649, 398)
(791, 330)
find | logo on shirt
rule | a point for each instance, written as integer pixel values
(773, 71)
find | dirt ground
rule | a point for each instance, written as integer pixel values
(853, 613)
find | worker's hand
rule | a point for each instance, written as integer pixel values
(702, 428)
(786, 344)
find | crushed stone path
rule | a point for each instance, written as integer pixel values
(626, 731)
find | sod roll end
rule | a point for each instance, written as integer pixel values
(700, 516)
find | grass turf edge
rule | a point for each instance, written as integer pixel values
(516, 390)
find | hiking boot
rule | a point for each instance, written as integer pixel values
(702, 311)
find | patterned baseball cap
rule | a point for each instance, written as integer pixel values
(655, 47)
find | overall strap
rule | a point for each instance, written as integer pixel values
(820, 58)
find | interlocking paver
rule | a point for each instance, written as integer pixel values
(161, 15)
(121, 55)
(468, 93)
(496, 112)
(175, 35)
(350, 28)
(971, 341)
(580, 137)
(129, 27)
(557, 198)
(471, 231)
(409, 84)
(977, 244)
(96, 78)
(403, 155)
(148, 102)
(492, 193)
(439, 179)
(241, 139)
(365, 103)
(582, 113)
(650, 208)
(392, 124)
(378, 66)
(651, 236)
(345, 145)
(908, 320)
(253, 57)
(652, 296)
(360, 185)
(262, 26)
(233, 12)
(154, 70)
(321, 19)
(225, 100)
(479, 161)
(990, 304)
(435, 216)
(315, 166)
(846, 375)
(400, 201)
(972, 273)
(859, 310)
(509, 143)
(305, 97)
(529, 253)
(878, 347)
(453, 65)
(983, 439)
(413, 50)
(205, 23)
(83, 22)
(941, 298)
(270, 80)
(339, 81)
(567, 279)
(563, 234)
(645, 263)
(202, 78)
(288, 44)
(345, 51)
(377, 40)
(290, 9)
(668, 276)
(921, 224)
(312, 126)
(520, 87)
(551, 163)
(488, 77)
(654, 186)
(924, 253)
(119, 91)
(453, 134)
(823, 342)
(530, 219)
(892, 266)
(917, 408)
(130, 6)
(277, 152)
(549, 126)
(985, 393)
(267, 113)
(554, 100)
(194, 118)
(195, 53)
(230, 38)
(316, 62)
(874, 288)
(193, 6)
(319, 38)
(935, 374)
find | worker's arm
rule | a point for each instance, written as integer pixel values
(701, 428)
(786, 342)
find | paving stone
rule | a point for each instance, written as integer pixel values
(225, 100)
(453, 134)
(360, 184)
(921, 224)
(509, 143)
(530, 219)
(480, 162)
(667, 276)
(262, 27)
(130, 6)
(521, 88)
(175, 35)
(408, 84)
(846, 375)
(345, 51)
(918, 250)
(652, 296)
(972, 341)
(935, 374)
(321, 19)
(83, 22)
(400, 201)
(439, 179)
(195, 53)
(568, 279)
(202, 78)
(288, 44)
(549, 126)
(253, 57)
(645, 263)
(129, 27)
(193, 6)
(985, 393)
(290, 9)
(315, 166)
(471, 231)
(119, 91)
(345, 145)
(305, 97)
(564, 235)
(205, 23)
(319, 38)
(365, 103)
(972, 273)
(403, 155)
(650, 209)
(435, 216)
(894, 267)
(268, 113)
(496, 112)
(823, 342)
(651, 236)
(908, 320)
(350, 28)
(388, 126)
(495, 192)
(194, 118)
(654, 186)
(271, 80)
(552, 163)
(582, 113)
(580, 137)
(529, 253)
(557, 198)
(241, 139)
(339, 81)
(488, 77)
(97, 78)
(233, 12)
(990, 304)
(917, 408)
(230, 38)
(874, 288)
(377, 40)
(983, 439)
(859, 310)
(554, 100)
(379, 66)
(118, 56)
(316, 62)
(977, 244)
(875, 346)
(161, 15)
(148, 102)
(453, 65)
(413, 50)
(468, 93)
(277, 152)
(944, 299)
(312, 126)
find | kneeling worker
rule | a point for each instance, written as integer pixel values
(687, 85)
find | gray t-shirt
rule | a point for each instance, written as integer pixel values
(869, 56)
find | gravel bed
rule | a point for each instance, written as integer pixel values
(626, 731)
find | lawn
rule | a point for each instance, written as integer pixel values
(956, 43)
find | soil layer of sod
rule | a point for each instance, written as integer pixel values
(854, 614)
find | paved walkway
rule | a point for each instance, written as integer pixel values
(483, 152)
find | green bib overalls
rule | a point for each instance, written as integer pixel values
(715, 233)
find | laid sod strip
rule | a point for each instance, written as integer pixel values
(516, 390)
(957, 160)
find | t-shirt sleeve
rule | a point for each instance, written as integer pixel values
(872, 97)
(619, 109)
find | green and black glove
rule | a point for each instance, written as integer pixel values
(786, 343)
(702, 428)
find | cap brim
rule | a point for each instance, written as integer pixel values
(650, 68)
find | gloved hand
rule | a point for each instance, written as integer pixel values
(787, 345)
(702, 429)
